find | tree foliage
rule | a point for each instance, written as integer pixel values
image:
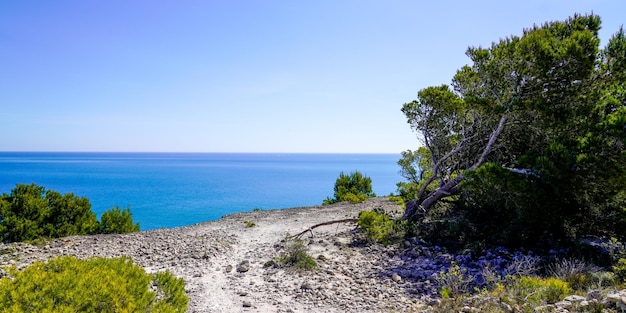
(117, 221)
(30, 212)
(527, 142)
(354, 188)
(67, 284)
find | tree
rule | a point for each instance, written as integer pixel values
(117, 221)
(353, 187)
(532, 131)
(30, 212)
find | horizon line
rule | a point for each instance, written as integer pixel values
(191, 152)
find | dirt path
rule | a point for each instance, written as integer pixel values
(223, 261)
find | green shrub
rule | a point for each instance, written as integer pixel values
(67, 284)
(537, 290)
(296, 256)
(455, 281)
(117, 221)
(397, 200)
(379, 227)
(620, 270)
(31, 213)
(354, 188)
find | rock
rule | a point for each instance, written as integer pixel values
(575, 299)
(563, 305)
(247, 304)
(243, 267)
(614, 297)
(594, 295)
(228, 268)
(395, 277)
(306, 286)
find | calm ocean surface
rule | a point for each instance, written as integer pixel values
(178, 189)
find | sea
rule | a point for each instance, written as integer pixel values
(166, 190)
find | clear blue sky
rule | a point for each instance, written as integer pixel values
(240, 76)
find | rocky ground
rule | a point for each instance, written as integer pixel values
(223, 262)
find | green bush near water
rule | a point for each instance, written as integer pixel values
(30, 212)
(117, 221)
(354, 188)
(67, 284)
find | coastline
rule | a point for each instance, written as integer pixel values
(349, 278)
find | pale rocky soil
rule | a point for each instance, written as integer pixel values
(351, 277)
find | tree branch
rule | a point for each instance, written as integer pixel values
(492, 140)
(310, 229)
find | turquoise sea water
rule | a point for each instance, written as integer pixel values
(178, 189)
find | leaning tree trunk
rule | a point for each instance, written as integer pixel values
(416, 210)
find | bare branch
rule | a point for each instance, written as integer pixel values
(310, 229)
(492, 140)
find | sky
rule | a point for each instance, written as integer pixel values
(323, 76)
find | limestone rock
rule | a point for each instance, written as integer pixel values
(395, 277)
(575, 299)
(243, 267)
(594, 295)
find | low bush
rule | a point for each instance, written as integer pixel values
(454, 282)
(67, 284)
(536, 290)
(620, 270)
(296, 256)
(379, 227)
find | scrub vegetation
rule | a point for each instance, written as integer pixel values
(29, 212)
(67, 284)
(354, 188)
(524, 151)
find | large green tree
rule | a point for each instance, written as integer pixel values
(529, 139)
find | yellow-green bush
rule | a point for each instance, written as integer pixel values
(67, 284)
(536, 290)
(620, 270)
(379, 227)
(455, 281)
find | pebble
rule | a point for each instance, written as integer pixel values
(243, 267)
(395, 277)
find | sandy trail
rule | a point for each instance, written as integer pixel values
(208, 255)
